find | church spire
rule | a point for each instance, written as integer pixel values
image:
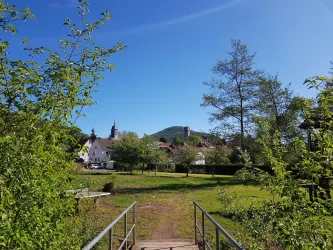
(114, 131)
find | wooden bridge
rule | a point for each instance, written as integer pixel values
(129, 240)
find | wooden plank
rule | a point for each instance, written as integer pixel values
(83, 195)
(165, 245)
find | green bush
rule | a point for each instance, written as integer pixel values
(43, 92)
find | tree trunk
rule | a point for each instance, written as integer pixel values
(155, 168)
(213, 173)
(241, 118)
(143, 166)
(324, 183)
(242, 128)
(187, 170)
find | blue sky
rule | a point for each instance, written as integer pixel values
(172, 46)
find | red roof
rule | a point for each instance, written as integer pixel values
(165, 145)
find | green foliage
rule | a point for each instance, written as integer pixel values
(185, 156)
(132, 151)
(287, 220)
(193, 140)
(127, 150)
(177, 141)
(38, 100)
(281, 112)
(162, 139)
(218, 155)
(76, 135)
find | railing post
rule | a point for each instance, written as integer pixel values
(110, 238)
(217, 239)
(134, 223)
(203, 231)
(195, 224)
(125, 231)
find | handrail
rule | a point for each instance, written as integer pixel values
(109, 229)
(217, 227)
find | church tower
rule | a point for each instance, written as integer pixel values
(114, 131)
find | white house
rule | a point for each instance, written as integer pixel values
(98, 150)
(85, 147)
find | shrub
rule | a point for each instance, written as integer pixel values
(109, 187)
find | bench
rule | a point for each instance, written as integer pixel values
(85, 193)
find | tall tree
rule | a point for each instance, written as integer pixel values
(39, 98)
(185, 156)
(147, 150)
(177, 141)
(193, 140)
(232, 91)
(279, 106)
(162, 139)
(128, 150)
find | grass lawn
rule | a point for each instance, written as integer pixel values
(164, 201)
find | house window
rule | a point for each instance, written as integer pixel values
(82, 154)
(98, 159)
(90, 159)
(94, 153)
(95, 159)
(95, 146)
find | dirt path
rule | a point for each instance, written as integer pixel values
(158, 218)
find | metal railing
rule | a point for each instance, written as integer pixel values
(109, 229)
(218, 229)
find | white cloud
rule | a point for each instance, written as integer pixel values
(178, 20)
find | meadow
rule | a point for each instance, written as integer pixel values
(164, 201)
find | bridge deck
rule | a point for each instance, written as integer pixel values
(172, 244)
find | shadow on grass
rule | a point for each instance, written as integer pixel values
(223, 178)
(175, 187)
(96, 172)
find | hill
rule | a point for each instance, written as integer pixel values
(170, 133)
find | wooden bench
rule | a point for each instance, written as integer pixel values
(85, 193)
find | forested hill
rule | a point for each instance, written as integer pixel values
(170, 133)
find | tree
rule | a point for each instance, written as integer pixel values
(279, 106)
(288, 219)
(127, 133)
(158, 157)
(317, 158)
(148, 139)
(93, 135)
(177, 141)
(218, 156)
(185, 156)
(193, 140)
(39, 98)
(162, 139)
(232, 91)
(128, 150)
(149, 155)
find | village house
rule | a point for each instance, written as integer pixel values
(98, 150)
(203, 146)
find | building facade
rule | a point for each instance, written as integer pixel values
(98, 150)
